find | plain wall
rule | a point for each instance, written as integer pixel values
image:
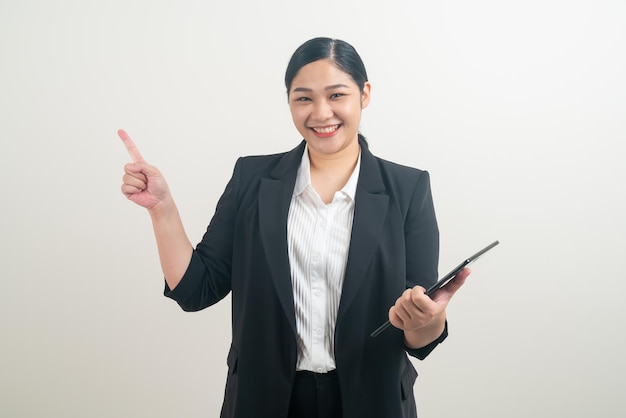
(517, 110)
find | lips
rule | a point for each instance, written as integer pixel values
(325, 131)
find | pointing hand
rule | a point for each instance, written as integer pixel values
(142, 183)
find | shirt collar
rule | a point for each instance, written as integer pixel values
(303, 178)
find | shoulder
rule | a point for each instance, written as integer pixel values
(272, 165)
(409, 190)
(406, 186)
(401, 177)
(277, 164)
(388, 168)
(260, 163)
(399, 169)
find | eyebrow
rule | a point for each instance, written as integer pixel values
(333, 87)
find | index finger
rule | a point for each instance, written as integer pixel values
(132, 149)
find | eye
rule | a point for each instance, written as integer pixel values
(301, 99)
(336, 95)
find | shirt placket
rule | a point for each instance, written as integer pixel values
(319, 292)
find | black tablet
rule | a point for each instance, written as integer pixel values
(444, 280)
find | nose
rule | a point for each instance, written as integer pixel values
(322, 110)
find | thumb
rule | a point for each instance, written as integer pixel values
(453, 285)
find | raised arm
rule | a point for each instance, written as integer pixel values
(144, 185)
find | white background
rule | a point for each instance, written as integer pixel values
(517, 110)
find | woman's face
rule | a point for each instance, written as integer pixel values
(326, 105)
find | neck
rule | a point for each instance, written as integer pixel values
(329, 173)
(332, 164)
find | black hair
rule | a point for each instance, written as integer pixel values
(339, 52)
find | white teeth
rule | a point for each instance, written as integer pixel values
(326, 130)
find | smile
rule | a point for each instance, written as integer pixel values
(326, 129)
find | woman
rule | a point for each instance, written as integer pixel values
(315, 244)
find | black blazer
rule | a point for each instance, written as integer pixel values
(394, 245)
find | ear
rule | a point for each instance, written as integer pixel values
(365, 95)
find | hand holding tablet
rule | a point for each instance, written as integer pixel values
(444, 280)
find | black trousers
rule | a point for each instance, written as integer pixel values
(315, 395)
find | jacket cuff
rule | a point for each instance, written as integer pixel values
(188, 283)
(422, 352)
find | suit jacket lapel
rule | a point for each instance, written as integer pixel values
(369, 216)
(370, 211)
(274, 200)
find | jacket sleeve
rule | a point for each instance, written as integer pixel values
(208, 276)
(422, 248)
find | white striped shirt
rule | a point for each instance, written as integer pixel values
(318, 239)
